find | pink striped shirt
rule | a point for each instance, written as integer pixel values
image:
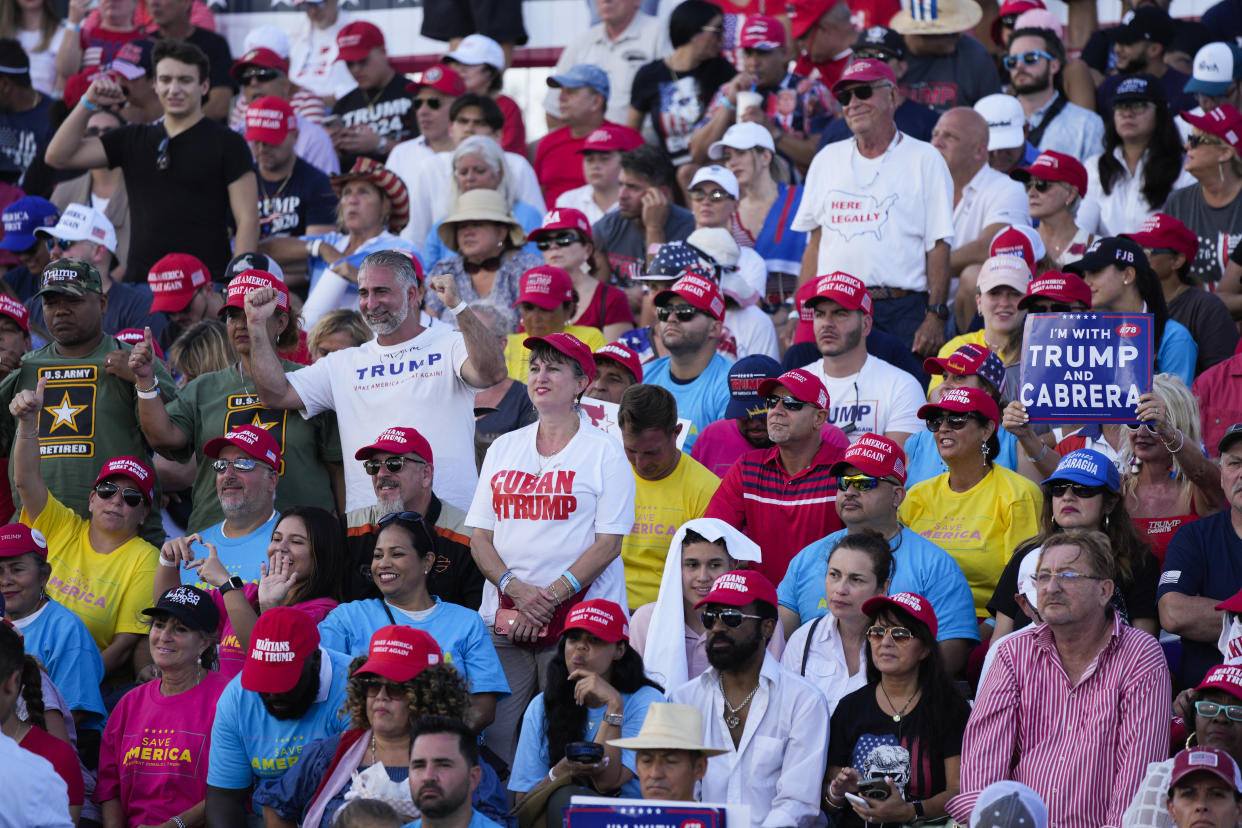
(1083, 748)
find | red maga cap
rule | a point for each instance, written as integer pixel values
(1227, 677)
(569, 345)
(281, 641)
(1055, 166)
(440, 78)
(265, 58)
(132, 468)
(18, 539)
(910, 602)
(248, 280)
(963, 400)
(970, 360)
(356, 40)
(1017, 240)
(132, 336)
(1059, 287)
(802, 385)
(1224, 122)
(1163, 231)
(173, 280)
(603, 619)
(804, 13)
(562, 218)
(873, 454)
(255, 440)
(16, 311)
(611, 138)
(399, 653)
(623, 356)
(762, 32)
(1201, 759)
(846, 290)
(397, 440)
(545, 286)
(738, 588)
(269, 120)
(699, 292)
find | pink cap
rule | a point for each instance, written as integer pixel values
(762, 32)
(18, 539)
(281, 641)
(738, 588)
(603, 619)
(1163, 231)
(1055, 166)
(963, 400)
(173, 280)
(356, 40)
(132, 336)
(611, 138)
(440, 78)
(16, 311)
(909, 602)
(248, 280)
(1007, 271)
(700, 292)
(255, 440)
(876, 455)
(562, 218)
(545, 286)
(802, 385)
(625, 357)
(865, 71)
(269, 120)
(132, 468)
(397, 440)
(569, 345)
(847, 291)
(1059, 287)
(399, 653)
(1201, 759)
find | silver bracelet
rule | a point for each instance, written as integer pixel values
(178, 821)
(1180, 443)
(151, 393)
(461, 306)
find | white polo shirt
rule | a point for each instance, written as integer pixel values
(991, 197)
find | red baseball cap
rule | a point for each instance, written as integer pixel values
(132, 336)
(1224, 122)
(1054, 166)
(397, 440)
(281, 641)
(623, 356)
(611, 138)
(546, 286)
(132, 468)
(970, 360)
(804, 13)
(963, 401)
(18, 539)
(846, 290)
(440, 78)
(270, 120)
(1014, 7)
(569, 345)
(805, 332)
(1231, 604)
(399, 653)
(356, 40)
(255, 440)
(603, 619)
(562, 218)
(1163, 231)
(1202, 759)
(738, 588)
(1227, 677)
(1019, 240)
(873, 454)
(802, 385)
(1057, 286)
(248, 280)
(762, 32)
(908, 602)
(701, 293)
(18, 312)
(265, 58)
(865, 71)
(173, 281)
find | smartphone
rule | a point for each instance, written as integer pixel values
(876, 790)
(857, 800)
(332, 122)
(505, 619)
(587, 753)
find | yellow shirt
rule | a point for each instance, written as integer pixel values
(660, 508)
(972, 338)
(517, 358)
(107, 591)
(980, 528)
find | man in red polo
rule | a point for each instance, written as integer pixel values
(784, 497)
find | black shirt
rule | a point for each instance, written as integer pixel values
(677, 102)
(286, 207)
(185, 208)
(387, 111)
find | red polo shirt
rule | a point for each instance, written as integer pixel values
(1219, 391)
(558, 166)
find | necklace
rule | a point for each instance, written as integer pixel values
(372, 100)
(372, 748)
(897, 716)
(732, 719)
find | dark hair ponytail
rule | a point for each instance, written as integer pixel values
(32, 692)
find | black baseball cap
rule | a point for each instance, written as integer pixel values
(1232, 435)
(189, 605)
(1142, 87)
(1110, 251)
(882, 38)
(1146, 23)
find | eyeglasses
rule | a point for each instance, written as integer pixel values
(1026, 59)
(954, 421)
(1043, 579)
(863, 93)
(790, 403)
(244, 464)
(393, 464)
(1132, 106)
(1039, 185)
(732, 618)
(1060, 487)
(563, 240)
(163, 161)
(97, 131)
(714, 195)
(1054, 307)
(1199, 140)
(432, 103)
(684, 313)
(1210, 710)
(900, 635)
(413, 521)
(261, 75)
(132, 497)
(712, 29)
(372, 687)
(861, 482)
(873, 55)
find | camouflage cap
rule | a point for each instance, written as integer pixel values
(73, 277)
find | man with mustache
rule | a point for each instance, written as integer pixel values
(444, 771)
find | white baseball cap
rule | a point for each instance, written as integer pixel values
(743, 136)
(1216, 67)
(717, 174)
(1006, 120)
(267, 37)
(82, 223)
(475, 49)
(1006, 804)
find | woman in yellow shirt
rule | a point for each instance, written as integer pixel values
(977, 511)
(546, 301)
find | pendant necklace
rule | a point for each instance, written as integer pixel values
(732, 719)
(897, 716)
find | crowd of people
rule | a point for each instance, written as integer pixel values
(676, 454)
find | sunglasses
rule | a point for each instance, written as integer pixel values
(684, 313)
(244, 464)
(1026, 59)
(1039, 185)
(261, 75)
(393, 464)
(1054, 307)
(714, 195)
(372, 687)
(63, 244)
(563, 240)
(1210, 710)
(876, 55)
(955, 421)
(1008, 21)
(900, 635)
(97, 131)
(863, 93)
(790, 403)
(163, 160)
(732, 618)
(1059, 488)
(132, 497)
(861, 482)
(1199, 140)
(432, 103)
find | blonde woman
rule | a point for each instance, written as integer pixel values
(202, 348)
(337, 330)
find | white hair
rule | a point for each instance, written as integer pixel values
(486, 148)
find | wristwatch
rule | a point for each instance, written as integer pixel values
(918, 810)
(941, 310)
(617, 719)
(231, 584)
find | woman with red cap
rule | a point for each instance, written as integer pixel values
(546, 301)
(566, 242)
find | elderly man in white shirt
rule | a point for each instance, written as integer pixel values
(774, 721)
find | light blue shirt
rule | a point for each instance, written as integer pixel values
(434, 250)
(460, 632)
(925, 461)
(702, 400)
(1076, 131)
(61, 641)
(243, 556)
(1178, 352)
(477, 820)
(384, 241)
(922, 567)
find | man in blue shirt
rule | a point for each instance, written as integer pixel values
(871, 478)
(444, 771)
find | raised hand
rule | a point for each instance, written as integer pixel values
(142, 358)
(27, 404)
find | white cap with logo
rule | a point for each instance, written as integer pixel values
(82, 223)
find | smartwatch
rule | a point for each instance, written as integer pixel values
(231, 584)
(941, 310)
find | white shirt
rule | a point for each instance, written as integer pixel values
(415, 383)
(42, 64)
(545, 513)
(405, 157)
(583, 198)
(1124, 209)
(880, 216)
(753, 330)
(778, 766)
(880, 398)
(991, 197)
(825, 664)
(34, 794)
(644, 40)
(313, 63)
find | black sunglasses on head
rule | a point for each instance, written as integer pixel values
(132, 497)
(413, 521)
(684, 313)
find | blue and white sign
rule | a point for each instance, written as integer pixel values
(1085, 367)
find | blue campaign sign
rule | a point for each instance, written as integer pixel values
(1085, 367)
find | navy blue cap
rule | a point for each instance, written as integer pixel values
(744, 379)
(189, 605)
(1088, 467)
(1141, 87)
(1107, 251)
(582, 74)
(22, 218)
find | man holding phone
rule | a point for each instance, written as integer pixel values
(646, 216)
(374, 117)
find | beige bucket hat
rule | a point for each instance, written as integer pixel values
(935, 17)
(670, 727)
(480, 205)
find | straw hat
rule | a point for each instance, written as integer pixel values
(480, 205)
(388, 182)
(669, 727)
(935, 17)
